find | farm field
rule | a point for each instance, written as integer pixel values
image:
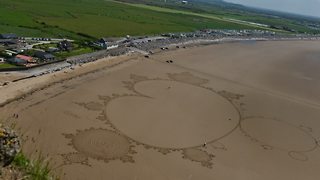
(219, 19)
(228, 11)
(97, 18)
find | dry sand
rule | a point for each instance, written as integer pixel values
(256, 106)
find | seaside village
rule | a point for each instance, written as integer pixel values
(25, 52)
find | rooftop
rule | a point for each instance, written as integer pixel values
(8, 36)
(23, 57)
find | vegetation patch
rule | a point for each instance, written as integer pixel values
(34, 170)
(75, 52)
(14, 164)
(7, 65)
(97, 18)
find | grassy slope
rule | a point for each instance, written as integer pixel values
(218, 19)
(227, 10)
(66, 18)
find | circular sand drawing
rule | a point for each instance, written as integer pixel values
(78, 158)
(198, 155)
(101, 144)
(278, 134)
(179, 114)
(173, 114)
(93, 106)
(168, 115)
(298, 156)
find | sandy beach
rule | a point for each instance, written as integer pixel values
(245, 111)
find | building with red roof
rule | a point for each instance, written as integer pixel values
(25, 58)
(22, 60)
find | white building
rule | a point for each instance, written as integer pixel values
(2, 60)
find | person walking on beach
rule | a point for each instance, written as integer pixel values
(15, 115)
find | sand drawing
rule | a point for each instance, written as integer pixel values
(100, 144)
(75, 158)
(230, 95)
(218, 146)
(109, 145)
(299, 156)
(187, 78)
(296, 140)
(69, 113)
(93, 106)
(198, 155)
(131, 126)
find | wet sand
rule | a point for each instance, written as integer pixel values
(229, 111)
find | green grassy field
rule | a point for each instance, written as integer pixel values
(75, 52)
(219, 19)
(7, 65)
(80, 19)
(222, 9)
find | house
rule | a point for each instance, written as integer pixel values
(108, 43)
(8, 36)
(8, 41)
(28, 59)
(17, 61)
(2, 60)
(65, 45)
(102, 43)
(52, 49)
(184, 2)
(44, 56)
(21, 60)
(12, 43)
(111, 41)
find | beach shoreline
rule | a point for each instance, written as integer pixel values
(18, 90)
(23, 83)
(203, 109)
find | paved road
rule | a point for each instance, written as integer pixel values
(46, 69)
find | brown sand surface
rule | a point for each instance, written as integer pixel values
(23, 87)
(256, 106)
